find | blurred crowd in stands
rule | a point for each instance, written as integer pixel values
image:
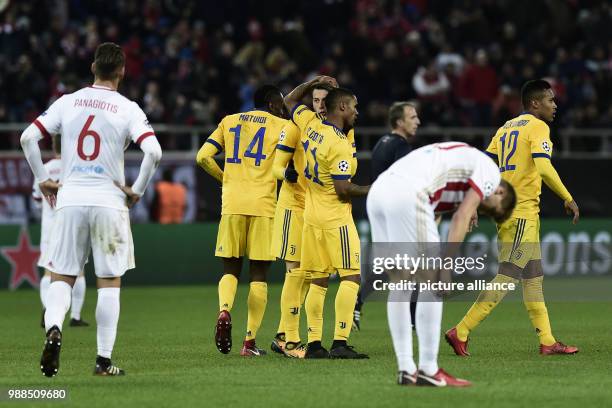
(192, 62)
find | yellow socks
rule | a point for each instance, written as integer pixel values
(227, 291)
(315, 300)
(533, 298)
(305, 287)
(486, 302)
(290, 305)
(345, 305)
(258, 297)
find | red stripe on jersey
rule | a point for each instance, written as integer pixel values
(450, 186)
(454, 146)
(445, 207)
(476, 189)
(143, 137)
(41, 128)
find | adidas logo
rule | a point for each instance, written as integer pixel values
(248, 333)
(220, 248)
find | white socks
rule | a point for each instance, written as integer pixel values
(57, 304)
(428, 325)
(44, 289)
(78, 298)
(107, 317)
(400, 325)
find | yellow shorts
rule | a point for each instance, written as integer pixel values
(518, 241)
(287, 234)
(241, 235)
(327, 250)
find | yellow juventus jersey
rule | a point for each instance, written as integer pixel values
(329, 156)
(515, 146)
(249, 140)
(292, 195)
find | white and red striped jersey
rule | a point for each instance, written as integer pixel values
(446, 171)
(96, 125)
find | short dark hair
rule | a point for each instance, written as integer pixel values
(264, 94)
(396, 112)
(532, 90)
(335, 96)
(109, 57)
(508, 202)
(322, 86)
(168, 174)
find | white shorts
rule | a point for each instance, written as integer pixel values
(44, 249)
(399, 212)
(103, 231)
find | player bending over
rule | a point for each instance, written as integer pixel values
(329, 239)
(92, 215)
(522, 147)
(402, 207)
(54, 168)
(247, 211)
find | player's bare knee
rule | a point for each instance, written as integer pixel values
(64, 278)
(232, 266)
(510, 270)
(292, 265)
(258, 270)
(322, 282)
(114, 282)
(352, 278)
(533, 269)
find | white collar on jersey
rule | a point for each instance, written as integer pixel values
(101, 87)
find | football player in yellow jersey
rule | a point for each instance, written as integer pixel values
(248, 202)
(330, 241)
(522, 147)
(289, 217)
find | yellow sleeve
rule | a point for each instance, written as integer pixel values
(213, 145)
(492, 149)
(351, 139)
(539, 140)
(287, 143)
(551, 178)
(301, 115)
(340, 159)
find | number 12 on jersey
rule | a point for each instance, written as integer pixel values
(510, 149)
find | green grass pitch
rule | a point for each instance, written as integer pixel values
(165, 344)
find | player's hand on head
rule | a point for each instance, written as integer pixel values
(131, 198)
(571, 208)
(49, 189)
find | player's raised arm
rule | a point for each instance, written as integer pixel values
(206, 155)
(295, 97)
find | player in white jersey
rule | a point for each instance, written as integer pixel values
(96, 124)
(54, 168)
(402, 207)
